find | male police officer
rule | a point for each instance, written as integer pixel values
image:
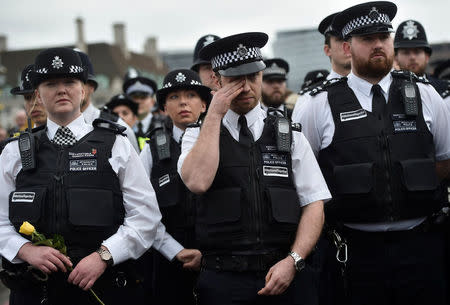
(379, 138)
(340, 62)
(255, 172)
(141, 90)
(203, 66)
(90, 113)
(274, 91)
(412, 51)
(83, 182)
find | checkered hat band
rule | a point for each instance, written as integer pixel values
(233, 58)
(364, 21)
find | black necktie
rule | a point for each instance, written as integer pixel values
(245, 135)
(140, 132)
(378, 101)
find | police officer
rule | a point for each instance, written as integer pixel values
(141, 90)
(183, 98)
(124, 107)
(340, 62)
(262, 191)
(379, 138)
(34, 109)
(202, 66)
(274, 90)
(412, 51)
(90, 113)
(87, 184)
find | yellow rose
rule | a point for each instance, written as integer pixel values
(26, 228)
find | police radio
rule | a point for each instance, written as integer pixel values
(410, 98)
(26, 149)
(283, 134)
(162, 140)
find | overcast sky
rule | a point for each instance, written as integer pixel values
(178, 24)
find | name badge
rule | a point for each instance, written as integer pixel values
(164, 180)
(275, 171)
(83, 165)
(353, 115)
(274, 159)
(404, 126)
(23, 197)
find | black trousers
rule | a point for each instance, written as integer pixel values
(405, 267)
(228, 288)
(58, 291)
(171, 283)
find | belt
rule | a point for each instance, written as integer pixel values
(241, 263)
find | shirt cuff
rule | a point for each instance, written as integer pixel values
(443, 157)
(118, 251)
(170, 249)
(13, 247)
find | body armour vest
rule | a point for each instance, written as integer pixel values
(175, 201)
(73, 192)
(378, 169)
(252, 206)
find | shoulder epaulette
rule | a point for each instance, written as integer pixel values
(327, 84)
(109, 125)
(408, 75)
(296, 126)
(311, 87)
(39, 128)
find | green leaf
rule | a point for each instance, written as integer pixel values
(45, 242)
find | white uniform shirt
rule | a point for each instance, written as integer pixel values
(308, 179)
(282, 107)
(164, 242)
(91, 113)
(318, 127)
(142, 215)
(303, 99)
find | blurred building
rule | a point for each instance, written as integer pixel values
(178, 59)
(110, 61)
(303, 50)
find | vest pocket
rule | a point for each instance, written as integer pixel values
(26, 205)
(167, 189)
(419, 175)
(285, 205)
(354, 178)
(90, 209)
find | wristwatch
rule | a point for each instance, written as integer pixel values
(299, 262)
(106, 256)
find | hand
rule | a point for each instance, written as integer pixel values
(44, 258)
(190, 258)
(279, 277)
(87, 271)
(223, 97)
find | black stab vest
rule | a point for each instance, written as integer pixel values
(73, 192)
(252, 205)
(176, 202)
(378, 170)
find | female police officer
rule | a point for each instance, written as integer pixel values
(87, 185)
(183, 99)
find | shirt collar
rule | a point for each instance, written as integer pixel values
(333, 74)
(78, 127)
(251, 116)
(177, 133)
(365, 87)
(264, 107)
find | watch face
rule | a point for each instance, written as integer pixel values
(106, 255)
(300, 264)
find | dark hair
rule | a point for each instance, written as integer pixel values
(327, 39)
